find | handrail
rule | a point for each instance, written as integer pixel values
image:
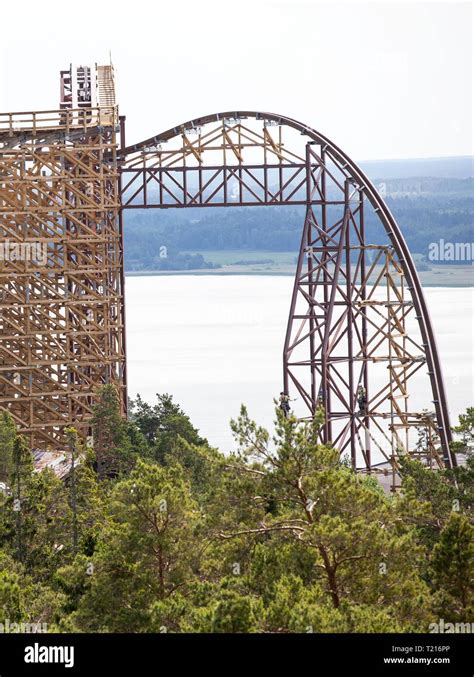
(64, 119)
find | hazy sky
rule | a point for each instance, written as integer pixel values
(382, 79)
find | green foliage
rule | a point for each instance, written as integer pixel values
(465, 429)
(11, 599)
(117, 442)
(7, 440)
(452, 564)
(154, 531)
(110, 440)
(163, 424)
(361, 554)
(24, 600)
(144, 553)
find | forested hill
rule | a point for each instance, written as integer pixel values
(428, 208)
(443, 168)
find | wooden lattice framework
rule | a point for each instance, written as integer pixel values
(61, 277)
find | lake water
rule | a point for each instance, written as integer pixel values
(214, 342)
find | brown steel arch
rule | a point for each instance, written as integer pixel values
(357, 306)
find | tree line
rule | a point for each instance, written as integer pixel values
(427, 210)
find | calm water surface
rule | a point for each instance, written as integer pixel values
(214, 342)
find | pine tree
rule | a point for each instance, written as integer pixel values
(73, 443)
(7, 440)
(361, 554)
(20, 479)
(452, 564)
(110, 441)
(145, 552)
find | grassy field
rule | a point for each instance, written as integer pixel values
(252, 261)
(241, 262)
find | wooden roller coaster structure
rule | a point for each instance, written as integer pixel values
(358, 324)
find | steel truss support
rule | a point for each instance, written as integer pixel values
(353, 347)
(358, 321)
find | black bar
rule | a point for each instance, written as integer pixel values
(319, 654)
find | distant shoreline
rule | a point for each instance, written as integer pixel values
(464, 275)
